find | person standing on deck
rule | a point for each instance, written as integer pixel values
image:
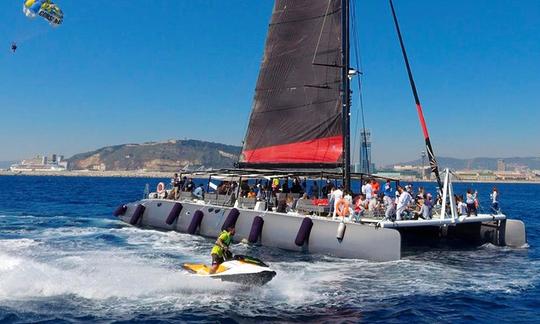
(313, 191)
(182, 183)
(368, 191)
(363, 188)
(175, 182)
(461, 206)
(335, 197)
(375, 187)
(471, 202)
(389, 206)
(495, 201)
(388, 188)
(403, 202)
(220, 251)
(260, 192)
(296, 187)
(327, 189)
(426, 207)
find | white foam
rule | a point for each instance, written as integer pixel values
(95, 275)
(8, 263)
(146, 273)
(17, 244)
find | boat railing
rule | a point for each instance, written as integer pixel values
(219, 199)
(247, 203)
(307, 206)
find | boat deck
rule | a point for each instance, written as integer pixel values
(439, 221)
(372, 219)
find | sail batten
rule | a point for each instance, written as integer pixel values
(296, 116)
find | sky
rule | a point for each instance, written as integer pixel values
(116, 72)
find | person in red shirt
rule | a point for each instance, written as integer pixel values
(359, 207)
(375, 187)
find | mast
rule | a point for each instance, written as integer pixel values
(429, 149)
(346, 95)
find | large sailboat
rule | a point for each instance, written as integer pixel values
(300, 126)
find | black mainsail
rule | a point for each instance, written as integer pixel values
(297, 115)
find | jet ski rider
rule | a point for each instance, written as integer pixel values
(220, 251)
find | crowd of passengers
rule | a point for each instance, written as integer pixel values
(374, 201)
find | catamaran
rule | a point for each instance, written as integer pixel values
(300, 127)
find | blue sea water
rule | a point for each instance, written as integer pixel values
(65, 258)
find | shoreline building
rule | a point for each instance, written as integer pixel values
(501, 166)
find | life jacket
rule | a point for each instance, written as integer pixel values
(342, 207)
(375, 187)
(226, 238)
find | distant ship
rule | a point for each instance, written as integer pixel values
(41, 164)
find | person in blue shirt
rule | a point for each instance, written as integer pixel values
(199, 192)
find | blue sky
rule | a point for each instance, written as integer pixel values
(149, 70)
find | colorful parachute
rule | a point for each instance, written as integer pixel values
(44, 8)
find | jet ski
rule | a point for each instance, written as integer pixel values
(239, 269)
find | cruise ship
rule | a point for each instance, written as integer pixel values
(41, 164)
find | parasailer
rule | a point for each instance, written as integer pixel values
(13, 47)
(44, 8)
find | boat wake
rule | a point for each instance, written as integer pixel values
(109, 271)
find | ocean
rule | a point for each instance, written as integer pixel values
(65, 258)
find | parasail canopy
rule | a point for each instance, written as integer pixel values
(45, 9)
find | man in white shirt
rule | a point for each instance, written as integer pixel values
(389, 207)
(495, 201)
(363, 189)
(403, 202)
(335, 197)
(368, 191)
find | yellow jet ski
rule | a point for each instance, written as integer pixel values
(240, 269)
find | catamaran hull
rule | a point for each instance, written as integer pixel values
(359, 241)
(278, 230)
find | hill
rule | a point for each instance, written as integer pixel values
(158, 156)
(482, 163)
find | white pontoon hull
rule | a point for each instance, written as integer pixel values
(380, 241)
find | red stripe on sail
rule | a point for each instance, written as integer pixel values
(322, 150)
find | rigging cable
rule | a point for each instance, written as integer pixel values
(358, 61)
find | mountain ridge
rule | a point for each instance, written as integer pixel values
(479, 163)
(173, 155)
(170, 155)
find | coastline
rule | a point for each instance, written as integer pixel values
(85, 173)
(161, 175)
